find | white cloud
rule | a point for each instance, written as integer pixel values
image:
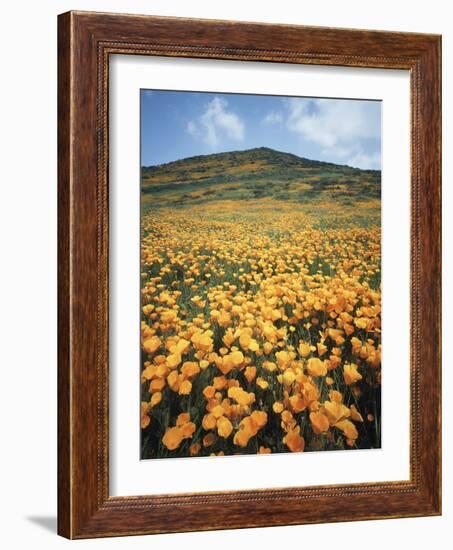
(340, 152)
(273, 117)
(216, 123)
(332, 121)
(339, 126)
(192, 128)
(367, 161)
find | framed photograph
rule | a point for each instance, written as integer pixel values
(249, 275)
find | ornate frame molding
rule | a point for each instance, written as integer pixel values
(86, 40)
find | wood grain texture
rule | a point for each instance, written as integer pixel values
(64, 373)
(86, 40)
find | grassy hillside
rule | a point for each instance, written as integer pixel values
(255, 174)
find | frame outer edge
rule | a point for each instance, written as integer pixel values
(64, 527)
(439, 161)
(427, 345)
(438, 177)
(433, 64)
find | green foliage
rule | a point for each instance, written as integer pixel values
(256, 173)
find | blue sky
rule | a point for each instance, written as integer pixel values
(177, 125)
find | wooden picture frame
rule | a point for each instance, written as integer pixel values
(85, 42)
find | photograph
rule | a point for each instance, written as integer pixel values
(260, 274)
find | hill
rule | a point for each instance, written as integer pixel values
(253, 174)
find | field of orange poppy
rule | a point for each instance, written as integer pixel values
(260, 327)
